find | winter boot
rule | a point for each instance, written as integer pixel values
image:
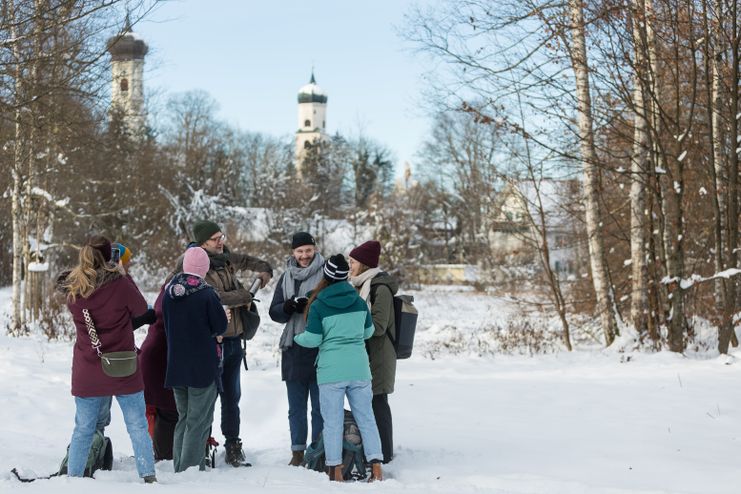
(235, 455)
(150, 479)
(376, 473)
(335, 473)
(296, 458)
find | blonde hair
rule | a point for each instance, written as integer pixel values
(81, 280)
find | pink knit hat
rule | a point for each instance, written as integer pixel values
(196, 262)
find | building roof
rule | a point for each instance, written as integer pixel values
(127, 46)
(311, 93)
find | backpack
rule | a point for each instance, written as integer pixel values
(99, 458)
(405, 323)
(353, 457)
(405, 318)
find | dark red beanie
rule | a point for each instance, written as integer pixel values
(367, 253)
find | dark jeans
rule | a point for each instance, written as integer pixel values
(164, 432)
(298, 394)
(382, 411)
(232, 392)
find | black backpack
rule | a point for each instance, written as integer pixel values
(353, 457)
(405, 323)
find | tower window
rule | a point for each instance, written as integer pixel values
(307, 144)
(324, 124)
(124, 85)
(307, 123)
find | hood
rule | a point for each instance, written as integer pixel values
(340, 295)
(384, 278)
(103, 277)
(183, 285)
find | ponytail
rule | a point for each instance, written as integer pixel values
(323, 283)
(81, 281)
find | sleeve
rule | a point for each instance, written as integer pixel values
(135, 302)
(232, 298)
(369, 328)
(242, 262)
(382, 310)
(312, 337)
(276, 306)
(216, 315)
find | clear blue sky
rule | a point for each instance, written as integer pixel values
(253, 56)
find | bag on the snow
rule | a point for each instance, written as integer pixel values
(353, 457)
(99, 458)
(405, 324)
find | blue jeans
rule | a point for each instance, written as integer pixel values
(104, 415)
(332, 399)
(88, 411)
(232, 391)
(298, 394)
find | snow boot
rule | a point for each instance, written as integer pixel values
(335, 473)
(235, 455)
(297, 458)
(150, 479)
(376, 473)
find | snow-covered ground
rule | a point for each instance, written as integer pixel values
(466, 420)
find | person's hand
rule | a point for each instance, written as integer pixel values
(228, 314)
(219, 339)
(301, 304)
(265, 278)
(290, 306)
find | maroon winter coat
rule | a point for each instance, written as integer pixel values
(112, 305)
(153, 362)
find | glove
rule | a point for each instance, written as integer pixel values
(265, 278)
(290, 306)
(301, 304)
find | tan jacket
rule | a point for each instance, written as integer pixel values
(230, 290)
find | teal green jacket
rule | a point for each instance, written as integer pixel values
(339, 323)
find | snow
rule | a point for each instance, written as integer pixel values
(681, 156)
(591, 421)
(38, 266)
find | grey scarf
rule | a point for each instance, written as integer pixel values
(309, 278)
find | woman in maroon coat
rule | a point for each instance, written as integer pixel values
(98, 289)
(160, 400)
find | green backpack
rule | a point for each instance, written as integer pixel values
(99, 458)
(353, 456)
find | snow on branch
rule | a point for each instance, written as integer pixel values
(685, 283)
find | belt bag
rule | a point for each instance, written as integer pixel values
(115, 364)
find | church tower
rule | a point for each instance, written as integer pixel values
(127, 65)
(312, 118)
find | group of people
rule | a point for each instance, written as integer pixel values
(336, 343)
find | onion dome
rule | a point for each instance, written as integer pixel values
(127, 46)
(311, 93)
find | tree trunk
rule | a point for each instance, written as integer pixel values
(603, 292)
(732, 228)
(17, 324)
(639, 166)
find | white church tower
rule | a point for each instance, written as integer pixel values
(312, 118)
(127, 64)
